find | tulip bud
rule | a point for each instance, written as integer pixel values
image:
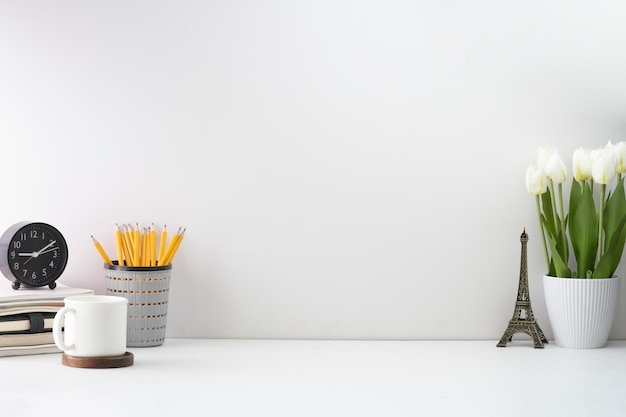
(555, 168)
(620, 157)
(543, 156)
(603, 166)
(536, 180)
(581, 163)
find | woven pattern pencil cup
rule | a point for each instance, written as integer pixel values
(147, 290)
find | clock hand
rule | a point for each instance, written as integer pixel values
(39, 252)
(36, 254)
(48, 250)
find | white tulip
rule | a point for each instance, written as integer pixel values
(603, 166)
(581, 162)
(555, 168)
(620, 157)
(543, 156)
(611, 152)
(536, 180)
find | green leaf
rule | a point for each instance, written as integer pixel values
(583, 227)
(614, 231)
(546, 208)
(614, 211)
(552, 226)
(574, 197)
(560, 265)
(610, 259)
(551, 269)
(562, 246)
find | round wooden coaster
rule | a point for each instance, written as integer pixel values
(120, 361)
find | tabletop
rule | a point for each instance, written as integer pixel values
(325, 378)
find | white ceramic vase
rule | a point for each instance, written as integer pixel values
(581, 311)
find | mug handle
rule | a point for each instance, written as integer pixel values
(57, 326)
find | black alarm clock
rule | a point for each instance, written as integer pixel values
(32, 254)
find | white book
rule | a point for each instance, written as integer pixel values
(27, 322)
(29, 309)
(25, 295)
(29, 350)
(27, 339)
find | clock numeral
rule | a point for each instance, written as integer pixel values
(51, 264)
(12, 254)
(34, 276)
(23, 236)
(24, 271)
(33, 234)
(16, 266)
(44, 273)
(17, 244)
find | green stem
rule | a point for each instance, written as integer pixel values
(555, 217)
(600, 223)
(563, 235)
(543, 234)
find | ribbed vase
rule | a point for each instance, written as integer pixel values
(581, 311)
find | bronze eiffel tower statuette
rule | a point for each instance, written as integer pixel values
(523, 320)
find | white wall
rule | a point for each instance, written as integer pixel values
(345, 169)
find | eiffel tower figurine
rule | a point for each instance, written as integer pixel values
(523, 320)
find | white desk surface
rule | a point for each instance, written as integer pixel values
(186, 377)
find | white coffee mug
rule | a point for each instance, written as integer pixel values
(95, 325)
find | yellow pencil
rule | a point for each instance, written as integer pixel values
(180, 239)
(139, 247)
(162, 244)
(127, 242)
(142, 256)
(106, 259)
(146, 248)
(170, 248)
(152, 245)
(136, 247)
(175, 245)
(128, 246)
(118, 245)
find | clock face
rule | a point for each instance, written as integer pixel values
(36, 254)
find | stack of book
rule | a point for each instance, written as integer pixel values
(26, 317)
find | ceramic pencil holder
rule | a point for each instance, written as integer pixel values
(147, 291)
